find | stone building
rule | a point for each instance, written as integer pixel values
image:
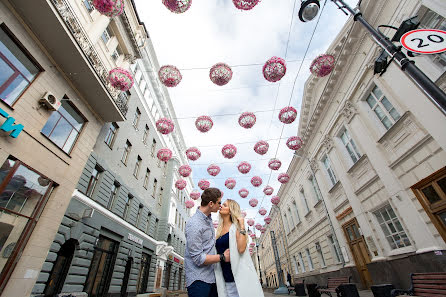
(367, 189)
(55, 98)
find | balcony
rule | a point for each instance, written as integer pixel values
(61, 33)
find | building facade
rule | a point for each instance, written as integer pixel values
(55, 98)
(366, 194)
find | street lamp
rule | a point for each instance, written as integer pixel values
(258, 260)
(309, 10)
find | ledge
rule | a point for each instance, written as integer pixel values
(394, 126)
(363, 157)
(334, 187)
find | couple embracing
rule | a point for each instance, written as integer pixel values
(219, 265)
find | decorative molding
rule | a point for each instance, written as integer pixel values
(314, 165)
(130, 33)
(327, 143)
(345, 213)
(349, 110)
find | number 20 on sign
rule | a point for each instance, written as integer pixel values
(425, 41)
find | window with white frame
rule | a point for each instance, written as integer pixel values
(334, 249)
(392, 228)
(383, 109)
(292, 220)
(88, 5)
(429, 19)
(136, 118)
(350, 146)
(296, 268)
(314, 186)
(329, 170)
(304, 201)
(285, 223)
(116, 53)
(310, 261)
(107, 34)
(321, 254)
(296, 211)
(301, 260)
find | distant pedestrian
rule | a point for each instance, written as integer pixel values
(288, 277)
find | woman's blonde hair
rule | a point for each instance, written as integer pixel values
(235, 214)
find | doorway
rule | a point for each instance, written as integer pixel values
(125, 281)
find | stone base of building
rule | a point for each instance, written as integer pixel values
(321, 279)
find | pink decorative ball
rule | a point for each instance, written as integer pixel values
(322, 65)
(283, 178)
(252, 244)
(120, 79)
(253, 202)
(180, 184)
(220, 74)
(245, 4)
(213, 170)
(268, 190)
(243, 193)
(169, 76)
(258, 226)
(204, 123)
(164, 154)
(261, 147)
(193, 153)
(189, 203)
(253, 235)
(230, 183)
(250, 251)
(195, 195)
(247, 120)
(177, 6)
(164, 126)
(243, 213)
(275, 200)
(110, 8)
(262, 211)
(267, 219)
(274, 69)
(184, 170)
(229, 151)
(287, 115)
(256, 181)
(250, 222)
(274, 164)
(262, 230)
(204, 184)
(294, 143)
(244, 167)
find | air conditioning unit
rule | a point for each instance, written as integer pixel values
(50, 101)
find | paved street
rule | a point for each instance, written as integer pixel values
(366, 293)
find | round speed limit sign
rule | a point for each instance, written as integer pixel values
(425, 41)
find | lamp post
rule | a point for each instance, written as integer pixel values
(309, 10)
(282, 289)
(258, 260)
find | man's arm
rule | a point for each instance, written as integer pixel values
(211, 259)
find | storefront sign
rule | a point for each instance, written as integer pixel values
(133, 238)
(8, 125)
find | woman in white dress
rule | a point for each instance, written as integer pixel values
(237, 278)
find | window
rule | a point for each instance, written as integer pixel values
(88, 5)
(111, 134)
(310, 261)
(301, 260)
(138, 216)
(382, 107)
(136, 118)
(126, 153)
(64, 126)
(321, 254)
(329, 170)
(116, 53)
(143, 276)
(149, 217)
(138, 76)
(145, 135)
(127, 206)
(296, 211)
(286, 224)
(153, 147)
(154, 187)
(334, 249)
(146, 179)
(296, 268)
(350, 146)
(432, 20)
(160, 196)
(17, 69)
(304, 201)
(292, 219)
(137, 166)
(107, 35)
(94, 177)
(314, 186)
(60, 268)
(113, 195)
(392, 228)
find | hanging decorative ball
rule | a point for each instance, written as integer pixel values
(268, 190)
(250, 222)
(253, 202)
(267, 219)
(274, 69)
(243, 212)
(253, 235)
(204, 184)
(204, 123)
(229, 151)
(169, 76)
(283, 178)
(252, 244)
(189, 203)
(180, 184)
(215, 223)
(110, 8)
(244, 167)
(230, 183)
(177, 6)
(195, 195)
(287, 115)
(256, 181)
(220, 74)
(243, 193)
(184, 170)
(164, 154)
(213, 170)
(120, 79)
(250, 251)
(262, 230)
(274, 164)
(193, 153)
(275, 200)
(164, 126)
(294, 143)
(262, 211)
(247, 120)
(261, 147)
(245, 4)
(258, 226)
(322, 65)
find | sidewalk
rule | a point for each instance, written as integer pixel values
(366, 293)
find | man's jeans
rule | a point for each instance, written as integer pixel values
(202, 289)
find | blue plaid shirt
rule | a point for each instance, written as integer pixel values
(200, 241)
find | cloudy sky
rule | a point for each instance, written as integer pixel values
(213, 31)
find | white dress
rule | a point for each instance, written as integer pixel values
(245, 275)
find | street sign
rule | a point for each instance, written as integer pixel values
(425, 41)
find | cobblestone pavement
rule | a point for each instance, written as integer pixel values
(366, 293)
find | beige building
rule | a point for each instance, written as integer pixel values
(62, 51)
(371, 174)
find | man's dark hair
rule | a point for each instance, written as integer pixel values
(210, 194)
